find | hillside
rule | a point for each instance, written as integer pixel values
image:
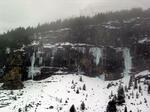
(90, 64)
(59, 93)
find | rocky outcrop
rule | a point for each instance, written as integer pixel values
(113, 63)
(141, 56)
(12, 78)
(39, 61)
(12, 85)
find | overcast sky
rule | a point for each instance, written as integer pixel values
(14, 13)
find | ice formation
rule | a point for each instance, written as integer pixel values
(127, 61)
(97, 53)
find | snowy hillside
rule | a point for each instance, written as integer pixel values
(58, 93)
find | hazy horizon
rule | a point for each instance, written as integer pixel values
(31, 12)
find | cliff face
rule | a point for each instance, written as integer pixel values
(41, 60)
(141, 55)
(113, 48)
(88, 59)
(13, 72)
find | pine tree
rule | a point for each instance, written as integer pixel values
(11, 92)
(81, 79)
(140, 89)
(125, 109)
(84, 87)
(66, 101)
(82, 106)
(137, 95)
(72, 82)
(132, 94)
(72, 109)
(121, 95)
(61, 100)
(130, 82)
(145, 101)
(135, 84)
(128, 97)
(19, 110)
(26, 108)
(111, 107)
(77, 91)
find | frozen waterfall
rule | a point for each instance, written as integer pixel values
(31, 69)
(97, 53)
(127, 61)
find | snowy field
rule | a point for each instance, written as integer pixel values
(58, 93)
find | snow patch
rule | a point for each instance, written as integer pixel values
(143, 73)
(144, 40)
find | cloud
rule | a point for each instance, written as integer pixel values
(114, 5)
(14, 13)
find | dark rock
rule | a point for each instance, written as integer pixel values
(12, 79)
(12, 85)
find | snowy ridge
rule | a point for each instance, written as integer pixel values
(65, 44)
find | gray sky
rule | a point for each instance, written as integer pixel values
(15, 13)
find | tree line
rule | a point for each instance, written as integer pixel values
(86, 29)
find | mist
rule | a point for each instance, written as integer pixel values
(15, 13)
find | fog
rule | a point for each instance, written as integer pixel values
(15, 13)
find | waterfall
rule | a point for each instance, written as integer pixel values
(127, 61)
(97, 53)
(31, 69)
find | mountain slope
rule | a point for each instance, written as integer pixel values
(59, 92)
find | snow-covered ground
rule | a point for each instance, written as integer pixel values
(58, 93)
(143, 73)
